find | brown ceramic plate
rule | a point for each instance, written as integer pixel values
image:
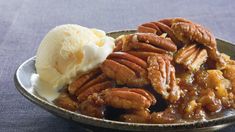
(23, 85)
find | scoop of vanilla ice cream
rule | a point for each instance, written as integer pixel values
(70, 50)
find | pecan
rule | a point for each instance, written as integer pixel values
(149, 28)
(72, 88)
(170, 21)
(136, 116)
(191, 56)
(156, 41)
(93, 106)
(94, 89)
(162, 76)
(167, 116)
(191, 32)
(144, 55)
(123, 39)
(125, 98)
(139, 46)
(145, 42)
(126, 69)
(162, 26)
(128, 98)
(168, 30)
(65, 101)
(87, 84)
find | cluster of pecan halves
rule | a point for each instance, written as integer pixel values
(186, 34)
(93, 91)
(140, 60)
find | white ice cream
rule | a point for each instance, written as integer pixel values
(67, 51)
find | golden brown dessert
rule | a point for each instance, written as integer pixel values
(169, 71)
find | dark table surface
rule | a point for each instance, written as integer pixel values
(23, 23)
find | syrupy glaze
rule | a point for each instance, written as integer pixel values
(207, 94)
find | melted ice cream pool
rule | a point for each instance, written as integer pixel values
(43, 88)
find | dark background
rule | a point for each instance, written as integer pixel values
(23, 23)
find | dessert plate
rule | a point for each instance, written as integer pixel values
(23, 85)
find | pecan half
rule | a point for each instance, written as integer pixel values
(81, 80)
(149, 27)
(158, 41)
(147, 42)
(65, 101)
(191, 32)
(167, 116)
(87, 84)
(136, 116)
(128, 98)
(162, 26)
(126, 69)
(93, 106)
(170, 21)
(144, 55)
(162, 76)
(191, 56)
(94, 89)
